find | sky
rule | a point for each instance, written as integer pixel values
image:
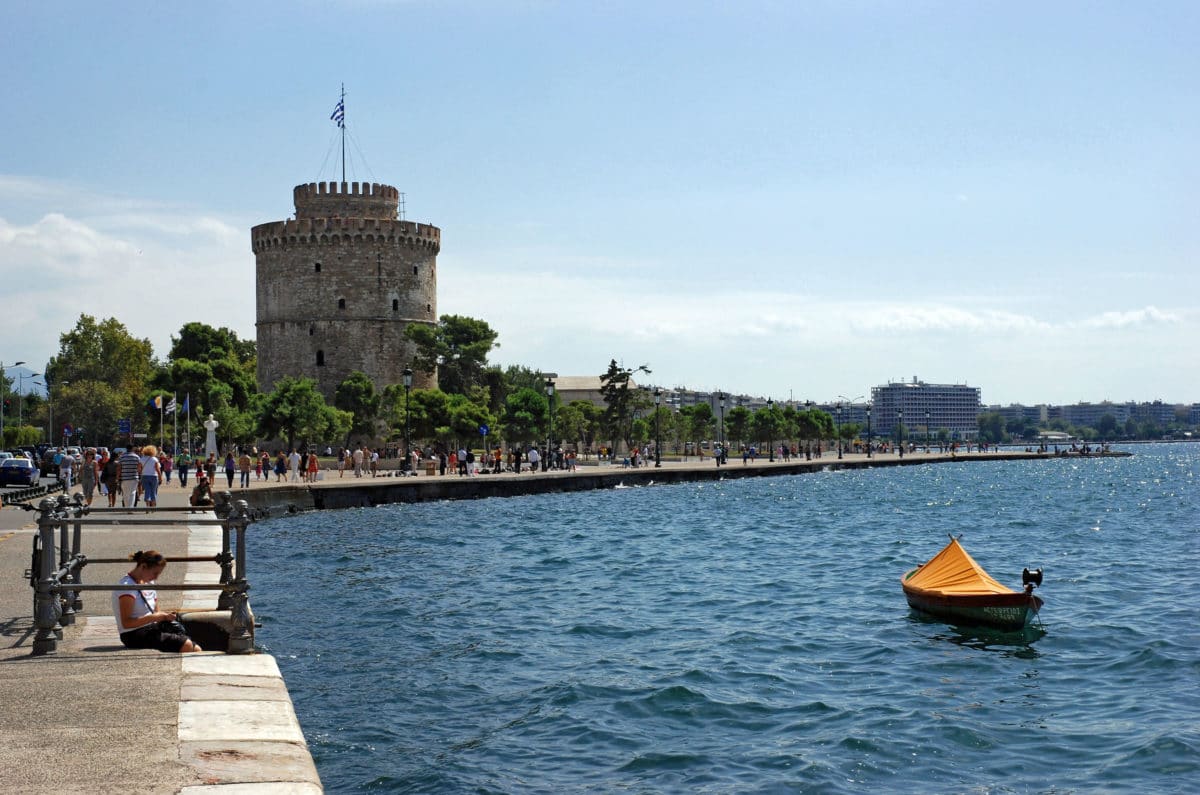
(798, 200)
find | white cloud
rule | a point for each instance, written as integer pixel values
(1145, 316)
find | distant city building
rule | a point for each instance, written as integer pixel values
(338, 284)
(926, 408)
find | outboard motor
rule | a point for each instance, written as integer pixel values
(1031, 578)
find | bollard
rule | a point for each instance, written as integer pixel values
(46, 604)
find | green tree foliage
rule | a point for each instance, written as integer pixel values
(201, 342)
(95, 407)
(991, 427)
(621, 401)
(104, 359)
(696, 423)
(767, 425)
(578, 422)
(737, 426)
(356, 395)
(296, 408)
(465, 417)
(457, 347)
(525, 415)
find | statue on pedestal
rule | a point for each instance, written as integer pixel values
(210, 441)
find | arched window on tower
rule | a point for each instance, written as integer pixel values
(341, 303)
(317, 267)
(415, 270)
(320, 358)
(395, 304)
(429, 308)
(312, 330)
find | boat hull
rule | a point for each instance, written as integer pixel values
(1010, 611)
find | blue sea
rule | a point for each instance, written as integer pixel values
(748, 635)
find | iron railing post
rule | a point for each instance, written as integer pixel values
(241, 635)
(46, 607)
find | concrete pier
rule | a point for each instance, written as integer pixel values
(97, 717)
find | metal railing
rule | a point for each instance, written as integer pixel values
(58, 579)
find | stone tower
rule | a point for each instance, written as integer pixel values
(337, 286)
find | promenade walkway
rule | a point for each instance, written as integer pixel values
(96, 717)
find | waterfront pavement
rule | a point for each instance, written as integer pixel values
(97, 717)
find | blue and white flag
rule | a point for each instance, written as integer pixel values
(170, 409)
(339, 113)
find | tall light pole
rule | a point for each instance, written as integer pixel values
(771, 429)
(4, 391)
(550, 440)
(407, 450)
(721, 400)
(21, 396)
(868, 430)
(657, 428)
(900, 430)
(837, 431)
(927, 432)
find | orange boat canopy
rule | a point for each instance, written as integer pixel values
(953, 571)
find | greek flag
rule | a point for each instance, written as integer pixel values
(339, 113)
(170, 409)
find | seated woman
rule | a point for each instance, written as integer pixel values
(202, 496)
(141, 624)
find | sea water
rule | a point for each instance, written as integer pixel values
(748, 635)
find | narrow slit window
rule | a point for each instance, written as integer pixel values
(317, 267)
(320, 358)
(395, 304)
(341, 303)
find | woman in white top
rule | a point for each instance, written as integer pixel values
(151, 475)
(141, 624)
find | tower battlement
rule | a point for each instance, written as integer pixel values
(313, 231)
(346, 200)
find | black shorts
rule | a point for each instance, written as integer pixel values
(163, 635)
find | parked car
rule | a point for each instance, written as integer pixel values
(18, 472)
(48, 467)
(4, 454)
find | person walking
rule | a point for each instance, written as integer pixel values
(293, 461)
(244, 468)
(129, 468)
(183, 463)
(152, 476)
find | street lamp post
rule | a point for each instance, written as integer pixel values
(657, 429)
(722, 396)
(926, 433)
(868, 430)
(900, 431)
(771, 429)
(4, 390)
(549, 441)
(21, 396)
(407, 447)
(837, 431)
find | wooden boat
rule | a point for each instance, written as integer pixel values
(953, 587)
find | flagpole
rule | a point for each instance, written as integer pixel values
(343, 126)
(160, 423)
(187, 409)
(175, 424)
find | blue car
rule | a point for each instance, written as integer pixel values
(18, 472)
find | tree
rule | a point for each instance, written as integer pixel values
(356, 395)
(696, 423)
(201, 342)
(456, 347)
(621, 401)
(991, 427)
(578, 421)
(525, 415)
(466, 417)
(296, 407)
(103, 353)
(1107, 426)
(737, 425)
